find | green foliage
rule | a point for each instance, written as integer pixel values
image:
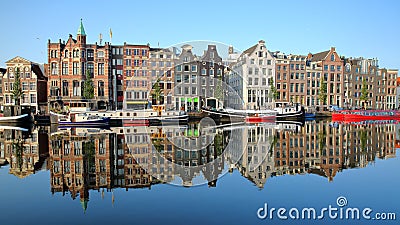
(364, 91)
(363, 137)
(322, 92)
(157, 93)
(321, 139)
(88, 89)
(18, 146)
(273, 91)
(89, 152)
(17, 90)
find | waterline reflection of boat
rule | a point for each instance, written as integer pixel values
(81, 119)
(14, 119)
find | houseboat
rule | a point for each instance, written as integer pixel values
(361, 115)
(143, 117)
(289, 111)
(81, 119)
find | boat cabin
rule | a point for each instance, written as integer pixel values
(287, 107)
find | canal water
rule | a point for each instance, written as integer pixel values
(317, 172)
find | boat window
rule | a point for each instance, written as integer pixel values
(128, 114)
(120, 114)
(134, 114)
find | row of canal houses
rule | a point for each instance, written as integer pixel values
(124, 76)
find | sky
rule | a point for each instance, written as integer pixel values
(356, 28)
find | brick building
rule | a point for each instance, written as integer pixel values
(330, 65)
(137, 81)
(68, 63)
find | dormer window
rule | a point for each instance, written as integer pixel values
(100, 54)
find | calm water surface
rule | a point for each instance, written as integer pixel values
(196, 174)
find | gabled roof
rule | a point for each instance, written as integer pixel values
(320, 56)
(18, 59)
(38, 71)
(250, 50)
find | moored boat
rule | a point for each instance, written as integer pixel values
(361, 115)
(289, 111)
(81, 119)
(241, 115)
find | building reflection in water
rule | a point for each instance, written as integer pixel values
(83, 159)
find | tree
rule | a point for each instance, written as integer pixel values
(157, 92)
(17, 90)
(273, 91)
(88, 89)
(364, 92)
(322, 92)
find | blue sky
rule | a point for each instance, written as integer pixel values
(355, 28)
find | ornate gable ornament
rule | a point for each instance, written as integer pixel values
(18, 59)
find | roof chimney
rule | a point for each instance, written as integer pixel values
(333, 49)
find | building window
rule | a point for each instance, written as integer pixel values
(54, 68)
(90, 68)
(128, 62)
(64, 68)
(24, 86)
(26, 99)
(76, 88)
(178, 78)
(65, 88)
(203, 72)
(211, 72)
(101, 68)
(186, 78)
(33, 98)
(333, 57)
(194, 68)
(194, 79)
(75, 68)
(32, 86)
(90, 54)
(100, 54)
(101, 88)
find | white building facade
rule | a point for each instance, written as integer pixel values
(252, 77)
